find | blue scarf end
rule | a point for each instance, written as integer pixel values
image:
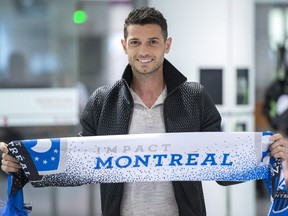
(15, 205)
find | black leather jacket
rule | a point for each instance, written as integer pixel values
(187, 108)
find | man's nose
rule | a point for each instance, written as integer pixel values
(144, 49)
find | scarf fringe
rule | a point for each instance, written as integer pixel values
(15, 205)
(10, 210)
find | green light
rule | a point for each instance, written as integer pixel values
(80, 17)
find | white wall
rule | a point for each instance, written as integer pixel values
(217, 34)
(199, 36)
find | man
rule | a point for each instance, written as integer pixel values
(152, 97)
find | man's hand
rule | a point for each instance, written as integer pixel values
(8, 163)
(279, 148)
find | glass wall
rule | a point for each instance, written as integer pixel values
(65, 50)
(38, 48)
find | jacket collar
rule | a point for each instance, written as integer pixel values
(173, 78)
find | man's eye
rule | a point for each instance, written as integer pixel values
(154, 42)
(134, 43)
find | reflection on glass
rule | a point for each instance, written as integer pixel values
(211, 79)
(242, 87)
(240, 126)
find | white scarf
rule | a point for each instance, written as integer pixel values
(198, 156)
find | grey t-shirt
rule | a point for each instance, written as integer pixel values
(148, 198)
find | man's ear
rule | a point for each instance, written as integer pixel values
(168, 45)
(123, 42)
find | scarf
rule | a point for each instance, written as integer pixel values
(198, 156)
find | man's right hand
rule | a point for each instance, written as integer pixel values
(8, 163)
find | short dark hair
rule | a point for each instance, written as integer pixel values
(146, 15)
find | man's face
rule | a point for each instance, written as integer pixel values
(145, 47)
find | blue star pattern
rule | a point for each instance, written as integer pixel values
(47, 160)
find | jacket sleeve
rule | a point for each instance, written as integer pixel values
(90, 116)
(87, 120)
